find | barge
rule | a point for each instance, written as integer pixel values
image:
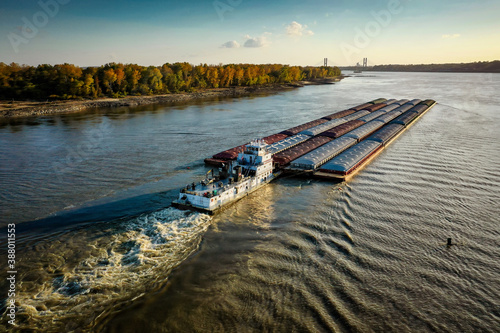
(334, 147)
(350, 162)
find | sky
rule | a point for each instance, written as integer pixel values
(154, 32)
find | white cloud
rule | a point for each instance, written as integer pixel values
(450, 36)
(296, 29)
(255, 41)
(232, 44)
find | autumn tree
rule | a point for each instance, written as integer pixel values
(117, 80)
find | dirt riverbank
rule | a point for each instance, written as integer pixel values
(15, 109)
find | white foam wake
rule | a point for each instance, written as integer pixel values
(138, 260)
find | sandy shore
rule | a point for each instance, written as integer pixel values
(17, 109)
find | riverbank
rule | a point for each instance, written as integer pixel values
(17, 109)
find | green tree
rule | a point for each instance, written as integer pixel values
(118, 80)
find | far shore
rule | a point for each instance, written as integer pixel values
(18, 109)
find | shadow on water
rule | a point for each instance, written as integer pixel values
(89, 216)
(65, 221)
(307, 176)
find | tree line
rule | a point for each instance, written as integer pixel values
(472, 67)
(68, 81)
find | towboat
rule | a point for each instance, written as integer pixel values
(252, 169)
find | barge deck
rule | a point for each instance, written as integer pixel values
(335, 148)
(354, 171)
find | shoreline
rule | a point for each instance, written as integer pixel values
(22, 109)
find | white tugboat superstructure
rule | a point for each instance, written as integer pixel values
(252, 169)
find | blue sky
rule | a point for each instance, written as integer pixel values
(293, 32)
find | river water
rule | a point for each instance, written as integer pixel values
(99, 249)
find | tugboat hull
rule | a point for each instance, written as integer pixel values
(182, 204)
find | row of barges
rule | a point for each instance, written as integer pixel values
(339, 144)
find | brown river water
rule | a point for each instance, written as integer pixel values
(98, 249)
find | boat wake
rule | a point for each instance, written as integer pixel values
(138, 259)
